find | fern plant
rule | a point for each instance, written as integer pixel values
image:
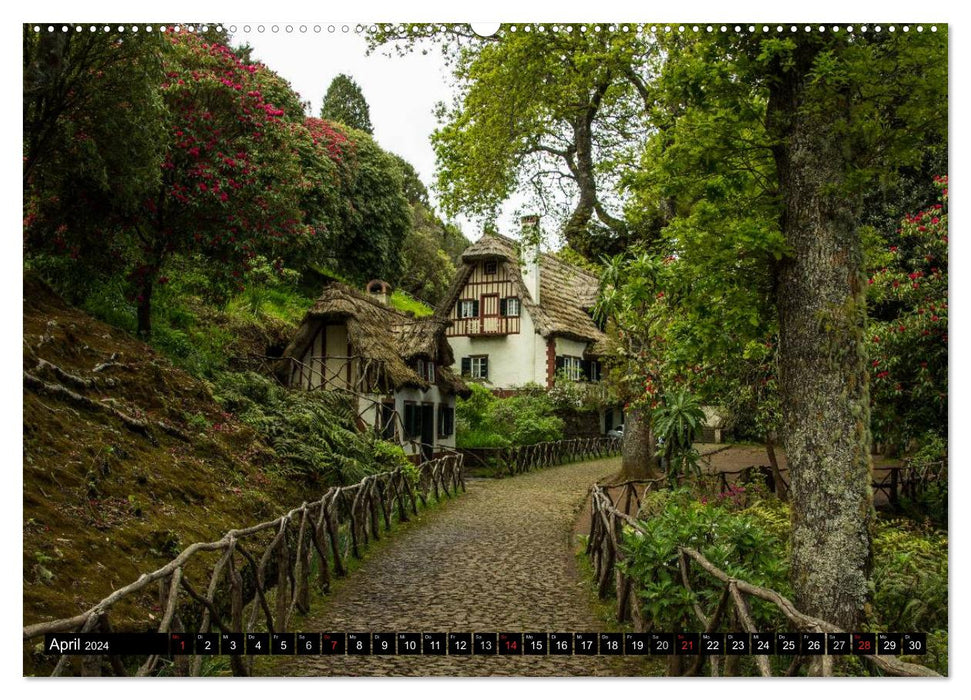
(312, 432)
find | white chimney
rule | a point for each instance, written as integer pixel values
(529, 241)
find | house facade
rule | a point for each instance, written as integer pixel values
(521, 316)
(395, 368)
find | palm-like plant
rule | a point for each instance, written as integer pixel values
(676, 422)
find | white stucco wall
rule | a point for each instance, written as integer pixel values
(514, 359)
(565, 346)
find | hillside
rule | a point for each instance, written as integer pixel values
(127, 459)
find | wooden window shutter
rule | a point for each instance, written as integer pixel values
(475, 308)
(485, 367)
(502, 307)
(560, 363)
(466, 366)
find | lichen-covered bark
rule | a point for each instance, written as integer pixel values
(822, 357)
(638, 449)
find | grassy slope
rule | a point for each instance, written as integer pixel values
(103, 504)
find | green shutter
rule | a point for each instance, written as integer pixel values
(466, 366)
(502, 307)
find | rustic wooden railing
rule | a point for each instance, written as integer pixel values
(547, 454)
(896, 482)
(605, 547)
(261, 575)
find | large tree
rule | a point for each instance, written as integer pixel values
(550, 114)
(344, 103)
(811, 118)
(224, 180)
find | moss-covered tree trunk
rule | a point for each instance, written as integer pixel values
(637, 460)
(822, 357)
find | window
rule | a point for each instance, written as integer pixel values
(476, 366)
(446, 420)
(412, 421)
(595, 371)
(468, 308)
(509, 306)
(425, 370)
(572, 367)
(491, 267)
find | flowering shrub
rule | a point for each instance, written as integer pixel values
(907, 296)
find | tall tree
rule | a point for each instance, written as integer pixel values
(344, 103)
(554, 115)
(82, 90)
(812, 119)
(227, 179)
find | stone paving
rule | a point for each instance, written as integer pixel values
(498, 559)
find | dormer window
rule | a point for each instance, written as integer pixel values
(491, 267)
(425, 370)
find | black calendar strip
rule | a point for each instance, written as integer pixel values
(491, 643)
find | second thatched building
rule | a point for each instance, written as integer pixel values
(396, 367)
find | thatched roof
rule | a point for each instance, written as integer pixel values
(566, 292)
(378, 332)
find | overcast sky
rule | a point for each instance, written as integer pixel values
(401, 91)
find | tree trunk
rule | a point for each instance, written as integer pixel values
(638, 448)
(822, 356)
(145, 308)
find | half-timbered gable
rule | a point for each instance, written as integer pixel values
(520, 316)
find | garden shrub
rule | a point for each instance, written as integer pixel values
(735, 542)
(484, 420)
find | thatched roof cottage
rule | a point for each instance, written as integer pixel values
(523, 316)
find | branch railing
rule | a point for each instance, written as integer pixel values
(898, 481)
(605, 547)
(259, 577)
(547, 454)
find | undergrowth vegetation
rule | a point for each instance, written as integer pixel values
(312, 432)
(747, 538)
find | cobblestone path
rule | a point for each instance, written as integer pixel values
(498, 559)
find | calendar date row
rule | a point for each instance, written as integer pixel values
(493, 643)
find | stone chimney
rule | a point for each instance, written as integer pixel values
(529, 241)
(379, 290)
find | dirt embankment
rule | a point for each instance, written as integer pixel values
(127, 460)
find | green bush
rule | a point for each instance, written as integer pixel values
(312, 432)
(735, 542)
(484, 420)
(930, 503)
